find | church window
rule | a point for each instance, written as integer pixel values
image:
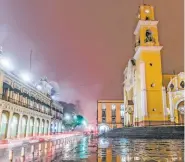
(113, 110)
(154, 109)
(182, 84)
(103, 111)
(122, 110)
(153, 85)
(171, 86)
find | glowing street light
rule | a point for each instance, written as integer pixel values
(26, 77)
(75, 117)
(84, 123)
(6, 63)
(39, 87)
(67, 117)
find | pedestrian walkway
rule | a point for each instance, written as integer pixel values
(10, 143)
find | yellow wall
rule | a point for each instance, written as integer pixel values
(99, 112)
(167, 78)
(108, 113)
(109, 155)
(108, 104)
(153, 74)
(143, 14)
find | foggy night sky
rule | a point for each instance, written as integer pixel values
(83, 45)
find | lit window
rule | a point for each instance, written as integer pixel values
(113, 107)
(103, 106)
(122, 110)
(113, 110)
(122, 107)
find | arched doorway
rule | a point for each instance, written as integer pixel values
(52, 127)
(103, 128)
(31, 126)
(14, 125)
(42, 127)
(46, 128)
(37, 126)
(56, 127)
(23, 126)
(59, 128)
(180, 108)
(4, 124)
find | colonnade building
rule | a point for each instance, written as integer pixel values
(57, 117)
(24, 110)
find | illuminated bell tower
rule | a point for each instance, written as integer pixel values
(148, 72)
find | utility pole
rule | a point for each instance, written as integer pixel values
(1, 50)
(30, 59)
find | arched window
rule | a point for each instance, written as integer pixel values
(113, 106)
(171, 86)
(122, 110)
(103, 106)
(113, 110)
(182, 84)
(103, 112)
(149, 36)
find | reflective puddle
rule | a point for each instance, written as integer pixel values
(89, 149)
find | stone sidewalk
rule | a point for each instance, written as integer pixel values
(10, 143)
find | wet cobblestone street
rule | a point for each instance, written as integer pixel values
(108, 150)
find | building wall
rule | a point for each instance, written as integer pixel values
(24, 111)
(107, 104)
(175, 99)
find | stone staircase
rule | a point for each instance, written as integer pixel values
(160, 132)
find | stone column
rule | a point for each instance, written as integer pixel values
(28, 102)
(176, 83)
(171, 107)
(164, 101)
(1, 82)
(34, 126)
(20, 97)
(46, 125)
(20, 125)
(9, 124)
(28, 127)
(49, 128)
(0, 122)
(40, 126)
(13, 96)
(143, 90)
(8, 93)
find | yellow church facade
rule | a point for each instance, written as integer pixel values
(157, 99)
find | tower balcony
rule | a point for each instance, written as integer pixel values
(139, 49)
(144, 23)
